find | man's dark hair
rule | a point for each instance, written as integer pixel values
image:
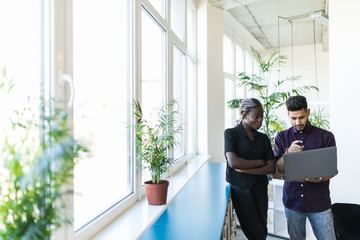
(296, 103)
(248, 104)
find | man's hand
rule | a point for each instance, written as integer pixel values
(295, 147)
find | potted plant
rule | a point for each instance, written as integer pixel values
(154, 140)
(269, 91)
(36, 164)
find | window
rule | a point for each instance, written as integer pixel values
(22, 62)
(178, 18)
(240, 91)
(153, 68)
(231, 59)
(228, 55)
(119, 50)
(191, 106)
(160, 6)
(248, 63)
(190, 123)
(101, 106)
(239, 53)
(22, 55)
(191, 27)
(230, 115)
(235, 61)
(179, 86)
(113, 64)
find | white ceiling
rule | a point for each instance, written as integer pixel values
(266, 20)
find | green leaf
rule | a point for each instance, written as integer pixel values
(155, 141)
(270, 93)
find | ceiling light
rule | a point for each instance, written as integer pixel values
(225, 4)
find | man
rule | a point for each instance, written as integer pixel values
(309, 198)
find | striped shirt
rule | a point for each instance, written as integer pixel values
(305, 196)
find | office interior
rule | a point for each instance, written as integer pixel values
(96, 57)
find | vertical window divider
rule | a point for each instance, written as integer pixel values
(137, 92)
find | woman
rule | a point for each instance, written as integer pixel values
(249, 158)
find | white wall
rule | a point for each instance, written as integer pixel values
(302, 63)
(344, 39)
(211, 86)
(304, 66)
(211, 91)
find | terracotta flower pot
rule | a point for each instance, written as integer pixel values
(156, 193)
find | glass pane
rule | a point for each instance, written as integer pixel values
(191, 99)
(239, 60)
(249, 64)
(228, 55)
(153, 67)
(101, 106)
(160, 6)
(229, 95)
(249, 71)
(21, 53)
(191, 28)
(240, 91)
(179, 94)
(178, 18)
(256, 68)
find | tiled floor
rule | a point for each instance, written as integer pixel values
(240, 236)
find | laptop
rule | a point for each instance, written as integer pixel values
(314, 163)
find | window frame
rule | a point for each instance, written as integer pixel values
(135, 74)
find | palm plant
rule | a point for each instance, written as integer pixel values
(154, 141)
(37, 160)
(268, 91)
(319, 119)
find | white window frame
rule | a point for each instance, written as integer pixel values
(139, 191)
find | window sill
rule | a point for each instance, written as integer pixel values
(139, 217)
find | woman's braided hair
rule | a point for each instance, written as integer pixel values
(248, 104)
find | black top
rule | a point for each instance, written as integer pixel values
(237, 141)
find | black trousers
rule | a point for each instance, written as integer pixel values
(251, 206)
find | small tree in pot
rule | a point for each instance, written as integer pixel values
(154, 141)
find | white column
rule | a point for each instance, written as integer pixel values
(211, 103)
(344, 52)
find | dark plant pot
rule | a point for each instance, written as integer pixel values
(156, 193)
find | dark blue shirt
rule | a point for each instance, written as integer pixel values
(237, 141)
(305, 196)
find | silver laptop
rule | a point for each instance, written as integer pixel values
(314, 163)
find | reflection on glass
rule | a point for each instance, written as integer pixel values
(177, 18)
(191, 106)
(21, 69)
(101, 106)
(249, 71)
(191, 27)
(20, 56)
(256, 68)
(159, 6)
(153, 68)
(179, 94)
(239, 59)
(239, 53)
(228, 60)
(229, 95)
(248, 63)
